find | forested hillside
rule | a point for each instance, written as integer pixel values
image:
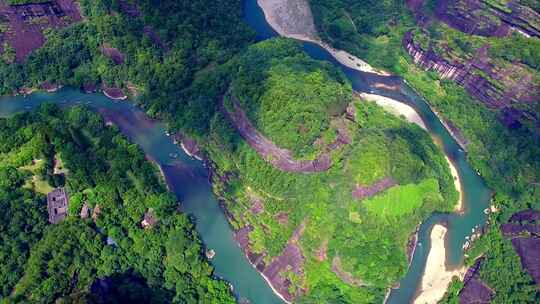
(69, 261)
(307, 170)
(334, 235)
(495, 106)
(166, 54)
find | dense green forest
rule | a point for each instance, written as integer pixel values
(45, 263)
(371, 248)
(172, 54)
(508, 159)
(288, 96)
(179, 58)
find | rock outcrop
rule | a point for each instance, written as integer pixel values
(290, 259)
(524, 232)
(27, 22)
(281, 158)
(366, 191)
(497, 87)
(474, 290)
(483, 17)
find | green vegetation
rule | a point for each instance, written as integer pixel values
(289, 97)
(163, 264)
(452, 293)
(502, 271)
(370, 247)
(403, 200)
(178, 75)
(296, 102)
(377, 31)
(508, 159)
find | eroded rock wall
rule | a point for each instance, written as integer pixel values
(496, 87)
(483, 17)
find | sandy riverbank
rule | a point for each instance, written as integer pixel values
(293, 19)
(161, 172)
(459, 208)
(454, 132)
(114, 93)
(345, 58)
(270, 284)
(396, 107)
(436, 275)
(399, 108)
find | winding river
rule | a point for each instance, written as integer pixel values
(188, 178)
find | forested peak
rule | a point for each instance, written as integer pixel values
(288, 96)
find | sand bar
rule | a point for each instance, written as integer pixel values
(293, 19)
(437, 276)
(396, 107)
(345, 58)
(459, 208)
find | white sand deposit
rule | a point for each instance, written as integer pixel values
(395, 107)
(293, 19)
(436, 275)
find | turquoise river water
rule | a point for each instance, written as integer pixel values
(188, 178)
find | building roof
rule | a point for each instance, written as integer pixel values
(57, 204)
(149, 219)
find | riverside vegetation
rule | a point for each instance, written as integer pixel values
(506, 157)
(173, 66)
(192, 106)
(199, 56)
(50, 263)
(368, 240)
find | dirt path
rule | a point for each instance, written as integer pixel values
(345, 276)
(280, 158)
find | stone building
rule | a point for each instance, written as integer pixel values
(57, 205)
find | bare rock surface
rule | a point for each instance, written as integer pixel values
(474, 290)
(290, 17)
(524, 232)
(290, 259)
(113, 53)
(114, 93)
(501, 88)
(26, 23)
(361, 191)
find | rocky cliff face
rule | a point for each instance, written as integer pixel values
(429, 60)
(482, 17)
(484, 80)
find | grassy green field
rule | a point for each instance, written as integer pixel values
(403, 200)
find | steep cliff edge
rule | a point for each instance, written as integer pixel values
(498, 86)
(489, 18)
